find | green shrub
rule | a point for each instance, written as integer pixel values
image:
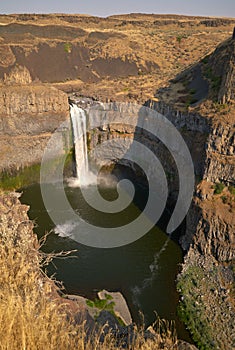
(90, 303)
(215, 79)
(105, 304)
(192, 312)
(108, 296)
(232, 190)
(180, 37)
(216, 82)
(224, 199)
(68, 47)
(190, 101)
(219, 188)
(21, 178)
(220, 106)
(102, 304)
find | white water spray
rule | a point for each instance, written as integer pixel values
(78, 118)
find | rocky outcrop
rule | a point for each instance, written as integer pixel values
(28, 117)
(219, 69)
(120, 307)
(111, 306)
(227, 51)
(216, 22)
(210, 224)
(17, 75)
(15, 226)
(220, 149)
(7, 57)
(210, 229)
(181, 119)
(194, 128)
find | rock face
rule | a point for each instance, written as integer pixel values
(210, 230)
(209, 227)
(226, 51)
(28, 117)
(220, 149)
(7, 57)
(14, 217)
(210, 224)
(194, 129)
(207, 303)
(17, 75)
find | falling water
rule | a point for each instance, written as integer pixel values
(78, 118)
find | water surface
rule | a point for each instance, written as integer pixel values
(144, 271)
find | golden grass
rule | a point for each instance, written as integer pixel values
(32, 315)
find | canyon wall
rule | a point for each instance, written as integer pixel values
(210, 221)
(28, 123)
(28, 117)
(194, 131)
(220, 149)
(210, 229)
(206, 281)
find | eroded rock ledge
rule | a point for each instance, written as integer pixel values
(28, 117)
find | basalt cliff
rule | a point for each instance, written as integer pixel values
(28, 117)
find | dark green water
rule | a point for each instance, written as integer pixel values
(144, 271)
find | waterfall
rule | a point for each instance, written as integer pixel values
(78, 118)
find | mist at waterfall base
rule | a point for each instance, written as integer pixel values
(143, 271)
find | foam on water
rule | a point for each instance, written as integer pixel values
(66, 229)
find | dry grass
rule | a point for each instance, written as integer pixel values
(159, 51)
(32, 315)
